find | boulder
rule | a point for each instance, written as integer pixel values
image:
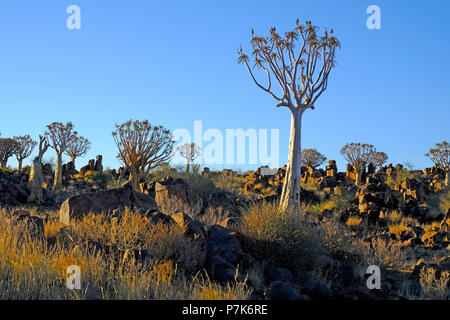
(156, 216)
(105, 201)
(191, 227)
(28, 225)
(223, 205)
(278, 274)
(331, 168)
(223, 253)
(230, 222)
(12, 193)
(89, 167)
(281, 290)
(171, 188)
(68, 170)
(98, 164)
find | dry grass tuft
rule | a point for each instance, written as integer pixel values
(282, 238)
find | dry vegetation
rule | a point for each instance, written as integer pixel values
(131, 257)
(36, 268)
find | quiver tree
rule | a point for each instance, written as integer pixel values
(359, 156)
(35, 179)
(78, 147)
(300, 63)
(25, 146)
(312, 158)
(379, 159)
(142, 147)
(440, 155)
(59, 137)
(189, 151)
(8, 148)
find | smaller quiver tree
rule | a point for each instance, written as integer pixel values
(35, 179)
(25, 146)
(440, 155)
(142, 147)
(189, 151)
(359, 156)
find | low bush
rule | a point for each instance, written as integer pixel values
(283, 238)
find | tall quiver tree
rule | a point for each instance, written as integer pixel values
(78, 147)
(35, 179)
(440, 155)
(142, 147)
(300, 62)
(8, 148)
(59, 137)
(359, 156)
(25, 146)
(189, 151)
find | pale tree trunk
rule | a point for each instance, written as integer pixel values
(57, 183)
(19, 166)
(290, 195)
(135, 177)
(35, 179)
(187, 166)
(73, 160)
(446, 177)
(358, 176)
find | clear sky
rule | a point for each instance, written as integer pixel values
(174, 62)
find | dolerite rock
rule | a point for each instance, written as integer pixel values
(13, 188)
(106, 201)
(156, 217)
(223, 205)
(281, 290)
(98, 164)
(89, 167)
(29, 226)
(68, 170)
(223, 253)
(318, 290)
(171, 188)
(191, 227)
(278, 274)
(231, 222)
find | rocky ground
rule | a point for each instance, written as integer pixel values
(398, 220)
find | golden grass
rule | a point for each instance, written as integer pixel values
(398, 228)
(212, 291)
(283, 238)
(434, 288)
(354, 222)
(36, 268)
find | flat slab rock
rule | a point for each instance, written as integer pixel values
(105, 201)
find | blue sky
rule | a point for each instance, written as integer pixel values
(175, 62)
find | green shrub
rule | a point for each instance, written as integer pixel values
(282, 238)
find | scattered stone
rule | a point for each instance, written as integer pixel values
(104, 202)
(281, 290)
(171, 188)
